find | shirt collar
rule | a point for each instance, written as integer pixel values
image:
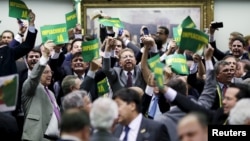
(126, 72)
(69, 137)
(135, 123)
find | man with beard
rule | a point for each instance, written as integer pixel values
(128, 74)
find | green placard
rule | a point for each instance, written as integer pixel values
(193, 39)
(103, 87)
(58, 33)
(178, 64)
(90, 50)
(18, 9)
(186, 23)
(115, 22)
(158, 72)
(8, 92)
(71, 19)
(153, 61)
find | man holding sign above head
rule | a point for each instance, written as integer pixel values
(128, 74)
(8, 55)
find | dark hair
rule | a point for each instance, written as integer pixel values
(166, 31)
(129, 96)
(75, 40)
(241, 39)
(178, 85)
(37, 50)
(73, 121)
(5, 31)
(246, 63)
(77, 54)
(244, 90)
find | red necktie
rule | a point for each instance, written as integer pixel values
(224, 88)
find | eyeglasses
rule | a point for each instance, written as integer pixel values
(48, 71)
(237, 45)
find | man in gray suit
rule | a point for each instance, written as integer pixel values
(128, 74)
(41, 111)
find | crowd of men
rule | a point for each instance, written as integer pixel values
(58, 97)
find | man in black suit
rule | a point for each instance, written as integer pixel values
(132, 125)
(75, 126)
(102, 117)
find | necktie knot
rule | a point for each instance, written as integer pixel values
(129, 73)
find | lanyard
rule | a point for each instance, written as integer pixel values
(219, 94)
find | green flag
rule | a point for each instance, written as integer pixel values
(8, 92)
(58, 33)
(90, 50)
(178, 64)
(71, 19)
(103, 87)
(153, 61)
(186, 23)
(115, 22)
(18, 9)
(193, 39)
(158, 72)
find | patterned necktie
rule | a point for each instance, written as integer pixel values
(129, 80)
(126, 133)
(53, 102)
(153, 107)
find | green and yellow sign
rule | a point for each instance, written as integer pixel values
(103, 87)
(18, 9)
(90, 50)
(178, 64)
(71, 19)
(193, 39)
(186, 23)
(58, 33)
(158, 72)
(153, 61)
(115, 22)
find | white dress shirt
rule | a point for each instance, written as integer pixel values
(134, 126)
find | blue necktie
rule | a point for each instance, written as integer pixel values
(153, 107)
(126, 133)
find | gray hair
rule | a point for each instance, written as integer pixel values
(67, 83)
(218, 64)
(103, 113)
(74, 99)
(240, 113)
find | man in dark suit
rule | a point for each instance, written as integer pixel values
(103, 114)
(74, 126)
(132, 125)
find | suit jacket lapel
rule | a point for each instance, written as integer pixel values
(118, 131)
(142, 130)
(123, 77)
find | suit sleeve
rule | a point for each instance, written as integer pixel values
(31, 83)
(163, 133)
(25, 47)
(109, 72)
(209, 92)
(219, 55)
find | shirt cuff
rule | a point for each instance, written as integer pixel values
(154, 49)
(78, 36)
(163, 57)
(125, 41)
(107, 54)
(113, 53)
(170, 94)
(209, 65)
(18, 38)
(32, 29)
(43, 61)
(55, 55)
(149, 90)
(110, 32)
(91, 74)
(211, 38)
(194, 68)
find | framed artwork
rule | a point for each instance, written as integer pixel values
(151, 13)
